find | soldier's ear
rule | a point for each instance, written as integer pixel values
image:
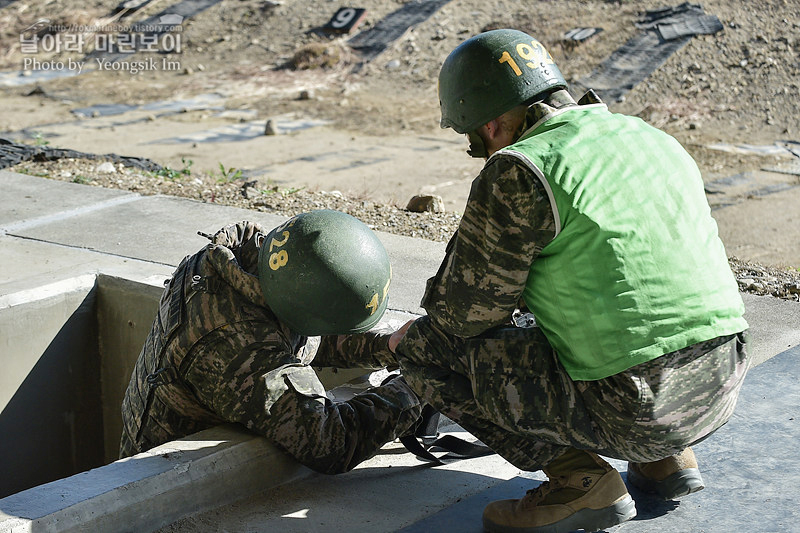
(491, 129)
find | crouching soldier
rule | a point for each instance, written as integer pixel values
(228, 342)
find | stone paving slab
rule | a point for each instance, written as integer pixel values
(385, 494)
(163, 229)
(154, 488)
(33, 266)
(29, 200)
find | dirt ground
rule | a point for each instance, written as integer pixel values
(368, 131)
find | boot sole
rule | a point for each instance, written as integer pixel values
(681, 483)
(588, 520)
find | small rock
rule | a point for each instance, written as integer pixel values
(426, 202)
(393, 64)
(36, 90)
(305, 95)
(105, 168)
(269, 129)
(251, 193)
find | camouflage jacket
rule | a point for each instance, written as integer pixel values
(505, 225)
(215, 353)
(507, 221)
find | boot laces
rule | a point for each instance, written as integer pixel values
(537, 494)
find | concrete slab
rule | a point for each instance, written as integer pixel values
(29, 201)
(159, 229)
(386, 493)
(32, 265)
(774, 326)
(162, 230)
(749, 467)
(155, 488)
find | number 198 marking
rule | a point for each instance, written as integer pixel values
(535, 56)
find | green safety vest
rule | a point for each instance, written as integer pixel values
(636, 269)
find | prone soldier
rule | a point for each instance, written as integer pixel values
(227, 344)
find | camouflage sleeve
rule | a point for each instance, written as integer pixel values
(234, 235)
(236, 372)
(243, 239)
(364, 350)
(506, 223)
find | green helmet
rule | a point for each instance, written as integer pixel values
(492, 73)
(325, 273)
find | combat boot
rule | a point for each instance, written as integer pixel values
(590, 499)
(670, 478)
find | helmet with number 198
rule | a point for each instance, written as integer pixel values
(325, 273)
(490, 74)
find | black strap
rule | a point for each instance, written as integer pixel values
(426, 438)
(457, 448)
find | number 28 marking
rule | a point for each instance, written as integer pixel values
(281, 257)
(535, 56)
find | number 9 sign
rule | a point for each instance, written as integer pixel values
(345, 20)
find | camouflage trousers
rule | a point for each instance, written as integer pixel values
(509, 390)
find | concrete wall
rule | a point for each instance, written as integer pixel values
(67, 350)
(125, 312)
(50, 416)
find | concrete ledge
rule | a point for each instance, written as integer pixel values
(774, 326)
(150, 490)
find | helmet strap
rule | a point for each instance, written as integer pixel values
(477, 148)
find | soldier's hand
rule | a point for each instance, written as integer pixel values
(398, 335)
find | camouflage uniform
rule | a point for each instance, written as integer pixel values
(506, 385)
(216, 354)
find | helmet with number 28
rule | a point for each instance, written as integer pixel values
(492, 73)
(325, 273)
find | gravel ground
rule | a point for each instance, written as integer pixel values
(232, 190)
